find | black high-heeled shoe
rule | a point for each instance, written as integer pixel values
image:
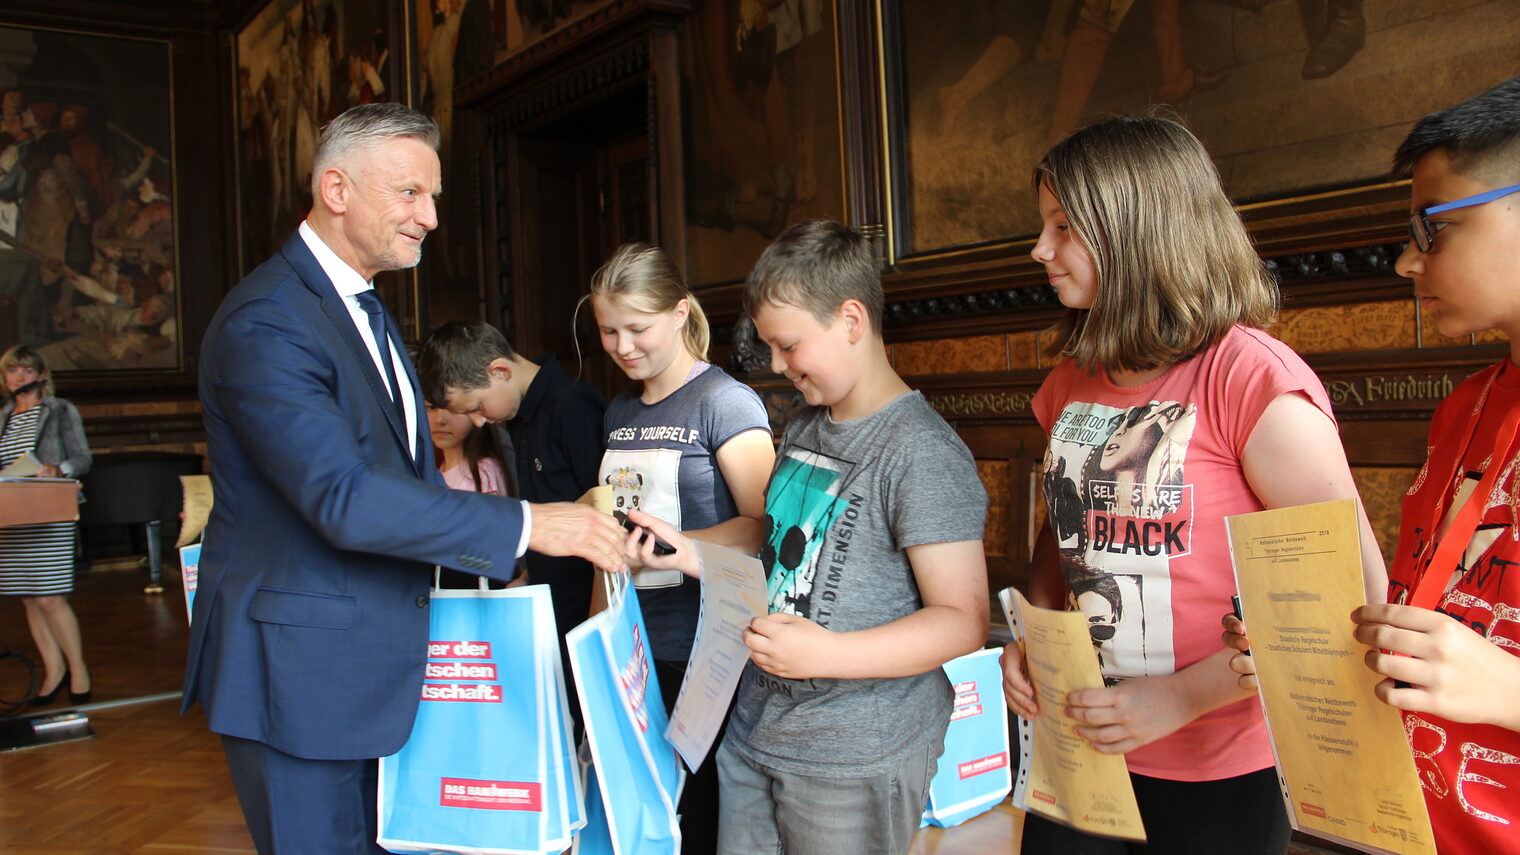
(80, 698)
(44, 700)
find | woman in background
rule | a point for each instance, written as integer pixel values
(37, 561)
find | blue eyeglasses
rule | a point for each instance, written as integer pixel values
(1419, 227)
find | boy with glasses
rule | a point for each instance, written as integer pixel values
(1448, 640)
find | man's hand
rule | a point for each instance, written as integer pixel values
(1136, 712)
(49, 470)
(1234, 638)
(1450, 670)
(565, 528)
(788, 645)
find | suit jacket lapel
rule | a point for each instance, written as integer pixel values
(336, 309)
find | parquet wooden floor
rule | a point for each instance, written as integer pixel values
(154, 783)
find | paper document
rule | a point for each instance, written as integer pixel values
(599, 497)
(1344, 763)
(197, 507)
(25, 465)
(1061, 776)
(733, 594)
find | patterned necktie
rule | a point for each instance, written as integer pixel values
(370, 302)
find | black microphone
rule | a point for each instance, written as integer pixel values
(30, 387)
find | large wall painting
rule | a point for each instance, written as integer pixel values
(1290, 96)
(299, 64)
(88, 234)
(763, 128)
(523, 22)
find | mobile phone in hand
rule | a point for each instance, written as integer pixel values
(660, 546)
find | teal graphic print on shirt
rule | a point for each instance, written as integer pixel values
(800, 507)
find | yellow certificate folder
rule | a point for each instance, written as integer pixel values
(1346, 770)
(1061, 776)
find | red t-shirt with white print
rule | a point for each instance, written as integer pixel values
(1138, 481)
(1470, 772)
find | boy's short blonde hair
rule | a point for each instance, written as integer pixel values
(816, 266)
(1175, 268)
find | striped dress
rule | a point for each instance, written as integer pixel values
(35, 560)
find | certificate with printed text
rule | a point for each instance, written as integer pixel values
(197, 507)
(733, 594)
(1061, 776)
(1346, 770)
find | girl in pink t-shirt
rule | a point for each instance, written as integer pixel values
(1171, 410)
(469, 458)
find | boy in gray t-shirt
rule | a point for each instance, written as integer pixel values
(875, 570)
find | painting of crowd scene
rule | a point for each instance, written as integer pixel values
(87, 226)
(526, 21)
(763, 128)
(1290, 96)
(299, 64)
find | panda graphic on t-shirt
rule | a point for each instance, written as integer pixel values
(647, 479)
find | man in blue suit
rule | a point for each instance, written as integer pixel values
(311, 622)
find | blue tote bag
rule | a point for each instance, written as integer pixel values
(487, 769)
(973, 774)
(636, 768)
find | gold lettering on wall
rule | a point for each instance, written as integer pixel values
(982, 403)
(1373, 390)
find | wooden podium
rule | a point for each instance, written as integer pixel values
(27, 501)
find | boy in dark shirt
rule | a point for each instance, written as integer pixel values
(555, 423)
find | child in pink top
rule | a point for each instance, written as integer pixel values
(469, 458)
(1171, 410)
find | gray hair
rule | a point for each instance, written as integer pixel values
(364, 127)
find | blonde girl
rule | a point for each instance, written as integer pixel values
(692, 446)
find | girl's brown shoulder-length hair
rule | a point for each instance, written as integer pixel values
(1175, 268)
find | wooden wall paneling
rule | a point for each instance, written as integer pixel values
(556, 115)
(860, 113)
(523, 232)
(1017, 445)
(667, 153)
(483, 162)
(501, 196)
(203, 81)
